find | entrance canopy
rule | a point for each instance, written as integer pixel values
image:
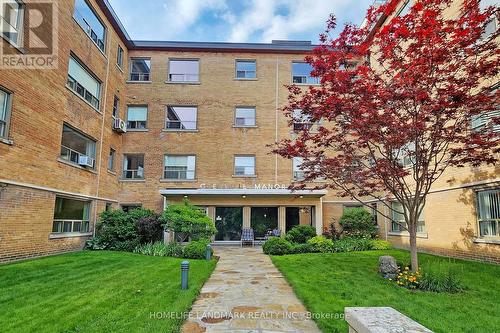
(244, 191)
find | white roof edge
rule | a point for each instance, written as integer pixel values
(242, 192)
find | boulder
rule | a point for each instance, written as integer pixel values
(388, 267)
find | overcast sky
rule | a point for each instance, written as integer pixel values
(234, 20)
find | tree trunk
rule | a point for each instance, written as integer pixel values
(413, 247)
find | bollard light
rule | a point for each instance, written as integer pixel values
(208, 252)
(184, 274)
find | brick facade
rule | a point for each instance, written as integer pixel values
(33, 173)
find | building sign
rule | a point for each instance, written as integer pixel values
(244, 186)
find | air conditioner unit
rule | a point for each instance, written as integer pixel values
(86, 161)
(120, 126)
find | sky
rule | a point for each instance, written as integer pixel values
(257, 21)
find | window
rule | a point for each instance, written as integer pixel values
(244, 116)
(83, 83)
(492, 25)
(301, 73)
(301, 122)
(119, 57)
(137, 117)
(488, 213)
(405, 9)
(298, 173)
(11, 21)
(179, 167)
(140, 69)
(405, 155)
(111, 159)
(71, 215)
(5, 106)
(399, 217)
(109, 206)
(181, 118)
(184, 71)
(128, 207)
(246, 69)
(116, 108)
(77, 148)
(244, 166)
(133, 166)
(90, 23)
(485, 120)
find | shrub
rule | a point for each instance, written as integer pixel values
(380, 244)
(149, 229)
(321, 244)
(188, 222)
(300, 234)
(440, 283)
(358, 222)
(302, 248)
(196, 249)
(157, 249)
(174, 250)
(118, 230)
(277, 246)
(332, 231)
(349, 244)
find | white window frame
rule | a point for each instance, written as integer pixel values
(396, 228)
(7, 110)
(68, 154)
(185, 76)
(142, 77)
(180, 171)
(19, 26)
(167, 121)
(298, 173)
(238, 174)
(484, 120)
(85, 221)
(245, 72)
(137, 174)
(137, 129)
(245, 108)
(494, 206)
(88, 29)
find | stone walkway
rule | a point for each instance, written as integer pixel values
(247, 294)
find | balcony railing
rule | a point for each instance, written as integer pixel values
(180, 125)
(133, 174)
(184, 77)
(140, 77)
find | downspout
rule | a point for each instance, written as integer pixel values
(276, 120)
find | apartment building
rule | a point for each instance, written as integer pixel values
(123, 124)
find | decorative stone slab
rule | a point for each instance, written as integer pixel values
(381, 320)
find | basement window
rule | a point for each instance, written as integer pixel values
(71, 215)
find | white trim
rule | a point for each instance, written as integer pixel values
(318, 193)
(56, 191)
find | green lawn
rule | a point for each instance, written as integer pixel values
(329, 282)
(96, 292)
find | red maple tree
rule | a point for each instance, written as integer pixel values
(398, 104)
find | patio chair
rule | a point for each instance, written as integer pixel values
(273, 233)
(247, 236)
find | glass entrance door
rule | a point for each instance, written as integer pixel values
(263, 219)
(228, 221)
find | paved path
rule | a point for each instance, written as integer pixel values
(247, 294)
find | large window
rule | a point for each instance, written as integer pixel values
(244, 166)
(488, 213)
(140, 69)
(181, 117)
(246, 69)
(179, 167)
(137, 117)
(133, 166)
(184, 70)
(11, 21)
(485, 120)
(71, 215)
(244, 116)
(5, 106)
(83, 83)
(77, 148)
(397, 216)
(88, 20)
(301, 73)
(298, 173)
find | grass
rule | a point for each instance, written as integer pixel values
(327, 283)
(98, 291)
